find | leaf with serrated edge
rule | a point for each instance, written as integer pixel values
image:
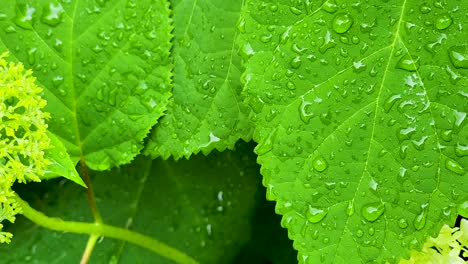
(105, 68)
(360, 114)
(207, 111)
(61, 165)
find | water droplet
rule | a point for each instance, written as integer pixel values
(359, 233)
(296, 62)
(406, 133)
(24, 16)
(342, 23)
(459, 56)
(461, 150)
(330, 6)
(402, 223)
(391, 101)
(267, 145)
(32, 56)
(246, 51)
(319, 164)
(315, 215)
(328, 43)
(408, 63)
(454, 166)
(99, 95)
(463, 209)
(447, 135)
(420, 220)
(52, 14)
(266, 38)
(443, 22)
(350, 209)
(112, 97)
(372, 211)
(402, 175)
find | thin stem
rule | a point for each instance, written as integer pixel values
(89, 248)
(99, 229)
(90, 193)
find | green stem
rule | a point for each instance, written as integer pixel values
(89, 248)
(98, 229)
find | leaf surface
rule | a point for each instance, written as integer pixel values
(207, 111)
(61, 165)
(361, 121)
(204, 207)
(105, 68)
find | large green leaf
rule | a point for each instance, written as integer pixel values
(204, 207)
(207, 111)
(360, 114)
(104, 65)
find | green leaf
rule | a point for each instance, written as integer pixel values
(203, 207)
(360, 116)
(207, 111)
(105, 68)
(61, 164)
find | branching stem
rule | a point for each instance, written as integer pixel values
(98, 229)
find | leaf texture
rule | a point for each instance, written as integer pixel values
(105, 68)
(207, 111)
(361, 121)
(203, 206)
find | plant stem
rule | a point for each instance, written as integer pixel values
(90, 193)
(89, 248)
(99, 229)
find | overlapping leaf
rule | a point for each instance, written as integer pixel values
(203, 207)
(207, 112)
(105, 67)
(361, 114)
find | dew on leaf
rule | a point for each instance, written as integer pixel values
(330, 6)
(372, 211)
(459, 56)
(315, 215)
(24, 16)
(351, 208)
(446, 135)
(328, 43)
(342, 23)
(296, 62)
(359, 233)
(246, 51)
(402, 223)
(391, 101)
(52, 14)
(454, 166)
(408, 63)
(402, 175)
(406, 133)
(461, 150)
(463, 209)
(443, 22)
(32, 55)
(420, 220)
(319, 164)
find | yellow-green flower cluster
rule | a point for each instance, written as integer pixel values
(449, 247)
(23, 137)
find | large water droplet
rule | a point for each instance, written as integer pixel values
(454, 166)
(52, 14)
(315, 215)
(420, 220)
(246, 51)
(461, 150)
(24, 16)
(408, 63)
(390, 102)
(342, 23)
(319, 164)
(372, 211)
(459, 56)
(443, 22)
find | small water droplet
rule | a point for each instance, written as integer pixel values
(463, 209)
(402, 223)
(461, 150)
(408, 63)
(454, 166)
(315, 215)
(330, 6)
(350, 209)
(459, 56)
(24, 16)
(320, 164)
(246, 51)
(372, 211)
(267, 145)
(296, 62)
(390, 102)
(342, 23)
